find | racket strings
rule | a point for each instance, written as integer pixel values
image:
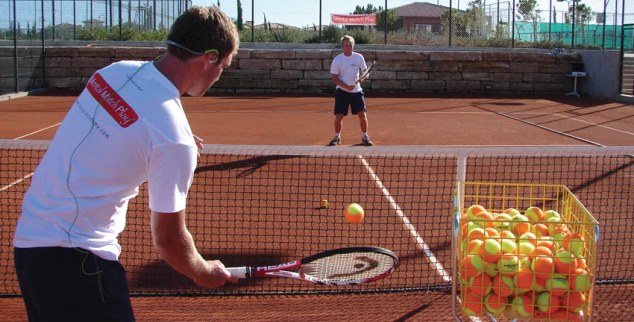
(350, 266)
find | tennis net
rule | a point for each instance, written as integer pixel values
(261, 205)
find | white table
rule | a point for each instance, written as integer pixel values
(574, 90)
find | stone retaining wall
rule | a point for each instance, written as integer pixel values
(307, 70)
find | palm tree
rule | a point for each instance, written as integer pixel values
(527, 11)
(583, 15)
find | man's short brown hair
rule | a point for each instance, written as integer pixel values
(202, 28)
(348, 38)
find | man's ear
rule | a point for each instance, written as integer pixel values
(214, 56)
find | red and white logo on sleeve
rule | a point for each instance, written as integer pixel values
(110, 100)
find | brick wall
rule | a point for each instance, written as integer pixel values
(307, 70)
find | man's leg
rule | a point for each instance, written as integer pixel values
(67, 284)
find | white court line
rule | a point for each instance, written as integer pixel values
(14, 183)
(595, 124)
(573, 118)
(408, 225)
(35, 132)
(30, 174)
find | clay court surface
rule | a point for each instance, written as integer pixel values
(269, 120)
(394, 121)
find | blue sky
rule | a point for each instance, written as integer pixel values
(299, 13)
(302, 13)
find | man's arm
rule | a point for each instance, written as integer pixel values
(335, 79)
(175, 246)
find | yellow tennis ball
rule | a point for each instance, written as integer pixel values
(354, 213)
(324, 203)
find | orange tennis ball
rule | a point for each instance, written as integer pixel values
(495, 303)
(473, 246)
(471, 265)
(523, 306)
(520, 224)
(503, 285)
(543, 267)
(565, 262)
(548, 302)
(480, 285)
(528, 237)
(474, 210)
(557, 284)
(541, 251)
(512, 211)
(492, 233)
(546, 242)
(523, 280)
(540, 229)
(484, 219)
(574, 243)
(574, 301)
(503, 221)
(580, 280)
(534, 213)
(508, 264)
(472, 305)
(491, 250)
(354, 213)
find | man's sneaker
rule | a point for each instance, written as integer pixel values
(335, 141)
(366, 141)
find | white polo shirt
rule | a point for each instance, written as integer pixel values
(126, 127)
(347, 68)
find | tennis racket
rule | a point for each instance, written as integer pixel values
(343, 266)
(366, 73)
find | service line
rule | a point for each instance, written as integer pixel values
(38, 131)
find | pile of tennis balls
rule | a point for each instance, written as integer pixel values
(527, 265)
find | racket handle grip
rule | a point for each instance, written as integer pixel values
(240, 272)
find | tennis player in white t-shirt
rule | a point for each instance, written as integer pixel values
(344, 71)
(127, 127)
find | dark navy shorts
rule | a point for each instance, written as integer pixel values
(345, 100)
(68, 284)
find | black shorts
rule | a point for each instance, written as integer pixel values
(343, 100)
(68, 284)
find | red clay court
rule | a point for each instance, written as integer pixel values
(431, 121)
(300, 171)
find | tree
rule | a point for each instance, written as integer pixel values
(583, 15)
(459, 22)
(393, 21)
(368, 9)
(477, 19)
(240, 23)
(526, 10)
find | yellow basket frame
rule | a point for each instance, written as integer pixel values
(496, 197)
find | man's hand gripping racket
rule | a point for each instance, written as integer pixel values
(366, 73)
(343, 266)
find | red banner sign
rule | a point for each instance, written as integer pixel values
(358, 20)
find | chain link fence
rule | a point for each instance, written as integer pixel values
(438, 23)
